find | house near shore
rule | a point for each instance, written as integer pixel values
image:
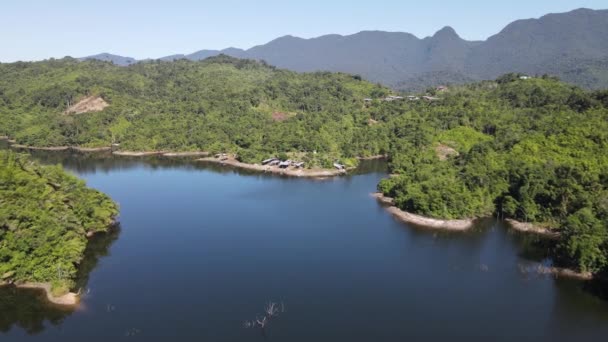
(285, 164)
(524, 77)
(298, 165)
(339, 166)
(442, 88)
(269, 160)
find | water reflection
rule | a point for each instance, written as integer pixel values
(203, 248)
(29, 309)
(92, 162)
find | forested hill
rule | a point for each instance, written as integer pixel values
(530, 149)
(220, 104)
(45, 216)
(533, 149)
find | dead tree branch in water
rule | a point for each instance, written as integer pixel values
(271, 310)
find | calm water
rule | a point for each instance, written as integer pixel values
(200, 249)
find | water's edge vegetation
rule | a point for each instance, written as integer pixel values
(531, 149)
(46, 219)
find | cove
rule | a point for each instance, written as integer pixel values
(201, 248)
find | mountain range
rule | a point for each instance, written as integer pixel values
(572, 46)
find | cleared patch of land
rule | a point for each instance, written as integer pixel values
(444, 151)
(87, 105)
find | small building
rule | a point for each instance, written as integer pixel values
(298, 165)
(274, 162)
(285, 164)
(339, 166)
(524, 77)
(413, 98)
(269, 160)
(368, 100)
(442, 88)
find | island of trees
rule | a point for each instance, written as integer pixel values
(46, 217)
(528, 148)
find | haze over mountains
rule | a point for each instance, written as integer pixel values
(572, 45)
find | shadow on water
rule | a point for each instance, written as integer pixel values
(29, 309)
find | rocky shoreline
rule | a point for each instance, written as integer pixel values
(454, 225)
(532, 228)
(312, 173)
(463, 225)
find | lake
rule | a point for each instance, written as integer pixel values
(200, 249)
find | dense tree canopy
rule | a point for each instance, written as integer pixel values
(45, 216)
(220, 104)
(529, 149)
(532, 149)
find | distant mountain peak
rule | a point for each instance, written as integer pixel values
(583, 10)
(446, 32)
(572, 45)
(108, 57)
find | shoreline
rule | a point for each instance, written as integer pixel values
(162, 153)
(90, 149)
(463, 225)
(312, 173)
(526, 227)
(186, 154)
(53, 148)
(138, 153)
(69, 299)
(427, 222)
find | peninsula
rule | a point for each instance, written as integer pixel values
(46, 217)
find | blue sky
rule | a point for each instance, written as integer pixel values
(32, 30)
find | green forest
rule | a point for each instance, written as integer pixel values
(45, 217)
(221, 104)
(530, 149)
(533, 150)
